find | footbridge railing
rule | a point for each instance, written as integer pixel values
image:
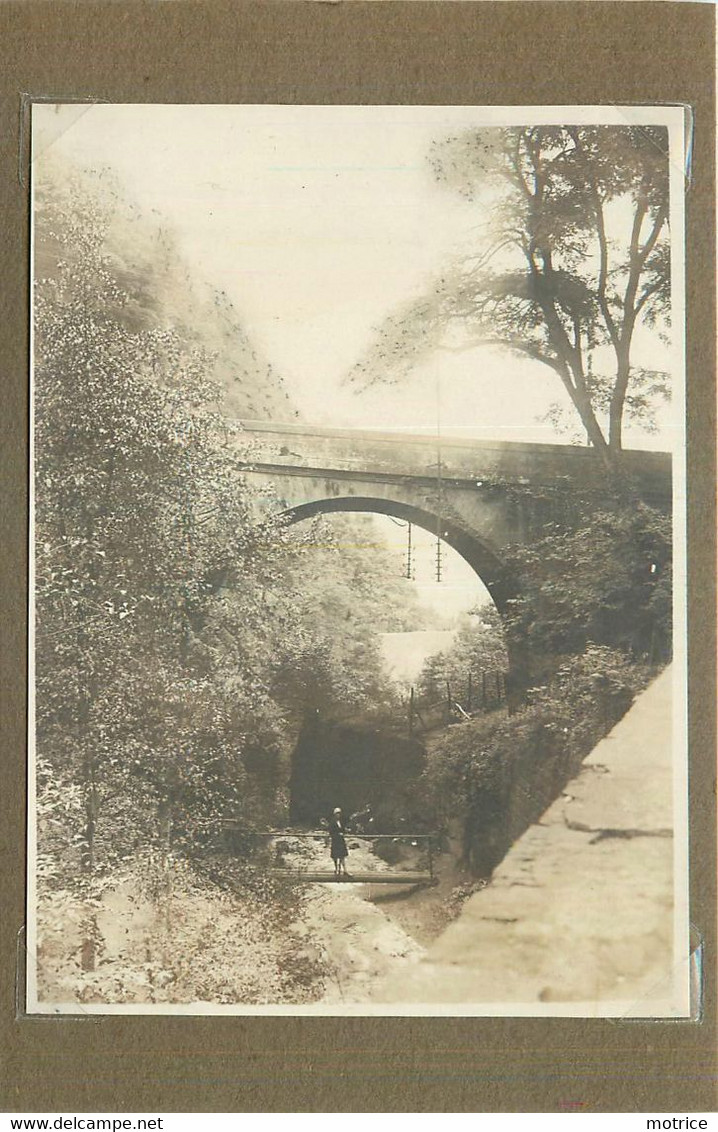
(289, 863)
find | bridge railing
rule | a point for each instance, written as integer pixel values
(280, 841)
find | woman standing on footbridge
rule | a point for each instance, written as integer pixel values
(338, 847)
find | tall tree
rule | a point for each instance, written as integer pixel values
(575, 257)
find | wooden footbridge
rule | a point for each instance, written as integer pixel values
(311, 876)
(307, 872)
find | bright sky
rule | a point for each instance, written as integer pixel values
(459, 590)
(317, 222)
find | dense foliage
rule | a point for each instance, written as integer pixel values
(605, 580)
(178, 640)
(591, 621)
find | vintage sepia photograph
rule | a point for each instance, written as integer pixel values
(358, 563)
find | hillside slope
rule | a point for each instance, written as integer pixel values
(142, 258)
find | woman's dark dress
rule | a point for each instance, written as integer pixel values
(339, 846)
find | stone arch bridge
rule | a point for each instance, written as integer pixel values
(479, 496)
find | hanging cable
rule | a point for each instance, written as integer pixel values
(439, 483)
(409, 572)
(439, 562)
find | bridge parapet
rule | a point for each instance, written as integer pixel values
(471, 460)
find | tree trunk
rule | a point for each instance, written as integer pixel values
(618, 397)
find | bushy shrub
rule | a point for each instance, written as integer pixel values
(605, 580)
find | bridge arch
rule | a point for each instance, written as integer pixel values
(483, 561)
(485, 564)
